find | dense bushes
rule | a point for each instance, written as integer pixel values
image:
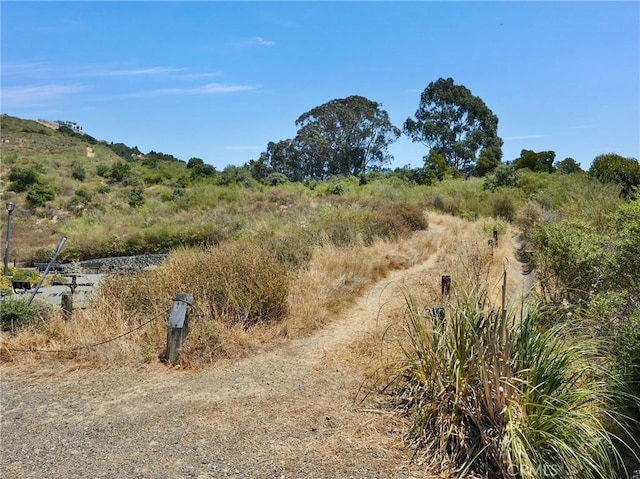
(15, 314)
(625, 172)
(502, 397)
(576, 260)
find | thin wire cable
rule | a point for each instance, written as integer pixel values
(86, 346)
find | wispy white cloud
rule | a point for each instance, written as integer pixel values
(208, 89)
(523, 137)
(29, 95)
(139, 71)
(196, 76)
(25, 69)
(262, 41)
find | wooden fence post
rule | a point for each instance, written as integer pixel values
(67, 305)
(495, 237)
(446, 286)
(178, 325)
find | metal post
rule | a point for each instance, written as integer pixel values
(54, 255)
(10, 208)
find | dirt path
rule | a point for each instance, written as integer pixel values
(289, 412)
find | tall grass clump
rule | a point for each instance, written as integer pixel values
(236, 283)
(494, 394)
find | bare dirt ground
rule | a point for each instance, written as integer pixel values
(291, 411)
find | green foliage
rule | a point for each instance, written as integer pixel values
(154, 158)
(119, 172)
(282, 157)
(435, 166)
(136, 197)
(235, 175)
(576, 260)
(540, 162)
(487, 162)
(123, 151)
(193, 162)
(496, 395)
(625, 240)
(15, 314)
(454, 123)
(202, 171)
(627, 354)
(78, 172)
(503, 175)
(568, 166)
(345, 136)
(103, 170)
(22, 178)
(39, 195)
(614, 168)
(275, 179)
(571, 261)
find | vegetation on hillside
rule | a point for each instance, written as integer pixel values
(276, 247)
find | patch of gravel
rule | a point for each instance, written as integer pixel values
(119, 263)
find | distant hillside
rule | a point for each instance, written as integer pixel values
(56, 175)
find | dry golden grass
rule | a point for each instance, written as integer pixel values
(313, 296)
(243, 300)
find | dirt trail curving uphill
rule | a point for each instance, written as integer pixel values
(288, 412)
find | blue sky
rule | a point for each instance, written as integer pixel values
(219, 80)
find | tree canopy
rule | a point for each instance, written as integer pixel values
(618, 169)
(541, 161)
(568, 166)
(345, 136)
(455, 124)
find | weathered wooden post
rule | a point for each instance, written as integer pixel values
(446, 286)
(178, 325)
(504, 295)
(495, 237)
(67, 305)
(490, 243)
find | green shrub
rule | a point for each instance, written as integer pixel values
(136, 197)
(22, 178)
(571, 261)
(503, 175)
(78, 172)
(119, 171)
(103, 170)
(627, 351)
(625, 172)
(39, 195)
(500, 397)
(15, 314)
